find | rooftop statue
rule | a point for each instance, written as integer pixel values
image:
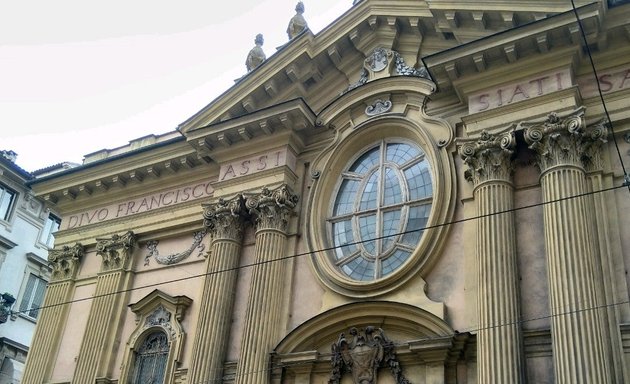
(298, 22)
(256, 55)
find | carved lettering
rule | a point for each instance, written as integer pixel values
(140, 205)
(250, 165)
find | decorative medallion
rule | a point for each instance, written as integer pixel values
(362, 354)
(176, 257)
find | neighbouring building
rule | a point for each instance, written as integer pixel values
(27, 228)
(423, 192)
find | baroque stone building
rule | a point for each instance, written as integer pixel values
(423, 192)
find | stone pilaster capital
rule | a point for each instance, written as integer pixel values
(226, 218)
(488, 157)
(116, 251)
(65, 261)
(271, 209)
(565, 140)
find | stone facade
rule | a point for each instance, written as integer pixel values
(424, 192)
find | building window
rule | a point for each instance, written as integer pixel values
(381, 205)
(48, 233)
(150, 359)
(7, 198)
(33, 296)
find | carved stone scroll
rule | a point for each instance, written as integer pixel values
(362, 354)
(65, 261)
(116, 251)
(378, 107)
(489, 157)
(272, 208)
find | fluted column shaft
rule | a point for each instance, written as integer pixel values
(262, 328)
(499, 339)
(226, 223)
(96, 347)
(52, 316)
(581, 354)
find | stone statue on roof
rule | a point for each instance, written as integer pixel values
(256, 55)
(298, 22)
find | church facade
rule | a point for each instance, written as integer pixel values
(422, 192)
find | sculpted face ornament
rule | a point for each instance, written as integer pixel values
(362, 354)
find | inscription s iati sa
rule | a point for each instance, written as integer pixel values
(142, 204)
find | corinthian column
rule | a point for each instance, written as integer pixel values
(41, 356)
(580, 352)
(271, 210)
(100, 332)
(225, 222)
(499, 340)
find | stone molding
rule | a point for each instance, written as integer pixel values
(565, 140)
(271, 209)
(65, 261)
(116, 250)
(226, 219)
(489, 157)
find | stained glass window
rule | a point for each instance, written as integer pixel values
(380, 210)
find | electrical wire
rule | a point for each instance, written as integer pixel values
(325, 249)
(626, 177)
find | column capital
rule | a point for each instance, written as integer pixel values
(565, 140)
(488, 157)
(65, 261)
(271, 209)
(116, 250)
(226, 218)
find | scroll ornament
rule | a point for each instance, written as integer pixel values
(65, 261)
(362, 354)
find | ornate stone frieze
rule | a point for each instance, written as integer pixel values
(226, 219)
(489, 157)
(116, 251)
(384, 62)
(176, 257)
(65, 261)
(362, 354)
(565, 140)
(378, 107)
(271, 209)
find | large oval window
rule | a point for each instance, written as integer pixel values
(381, 207)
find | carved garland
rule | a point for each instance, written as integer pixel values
(176, 257)
(362, 354)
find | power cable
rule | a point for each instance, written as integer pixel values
(626, 177)
(326, 249)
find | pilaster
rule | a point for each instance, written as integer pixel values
(271, 210)
(44, 346)
(115, 277)
(225, 221)
(499, 339)
(563, 147)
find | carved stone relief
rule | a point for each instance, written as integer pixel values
(65, 261)
(116, 251)
(271, 209)
(176, 257)
(489, 157)
(362, 353)
(381, 59)
(226, 219)
(378, 107)
(565, 140)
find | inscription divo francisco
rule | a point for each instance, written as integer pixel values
(139, 205)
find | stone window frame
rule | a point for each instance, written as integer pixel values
(157, 311)
(342, 153)
(39, 268)
(6, 215)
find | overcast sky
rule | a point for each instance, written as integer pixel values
(78, 76)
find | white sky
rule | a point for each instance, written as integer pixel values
(78, 76)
